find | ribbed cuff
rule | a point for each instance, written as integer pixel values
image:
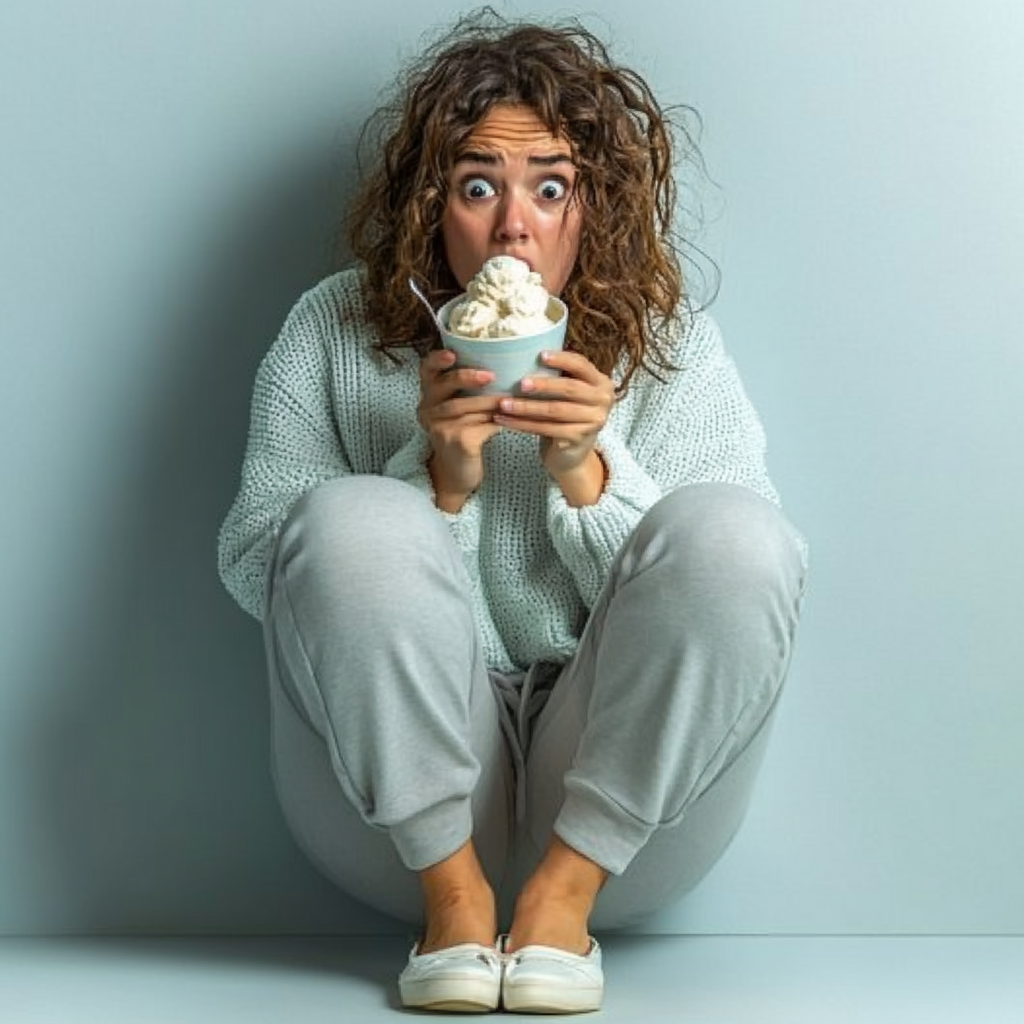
(599, 828)
(433, 835)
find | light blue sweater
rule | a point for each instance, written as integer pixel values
(325, 404)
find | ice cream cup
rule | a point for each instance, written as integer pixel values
(509, 359)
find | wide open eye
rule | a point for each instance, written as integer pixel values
(553, 189)
(477, 188)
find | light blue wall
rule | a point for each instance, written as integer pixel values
(169, 177)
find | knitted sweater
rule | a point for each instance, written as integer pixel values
(325, 403)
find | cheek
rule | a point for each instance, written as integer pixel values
(461, 245)
(567, 243)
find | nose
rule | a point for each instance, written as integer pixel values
(513, 224)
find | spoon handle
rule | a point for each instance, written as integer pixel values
(423, 299)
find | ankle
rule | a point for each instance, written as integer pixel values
(566, 875)
(555, 904)
(557, 921)
(457, 918)
(458, 902)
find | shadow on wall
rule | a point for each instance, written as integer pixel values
(155, 803)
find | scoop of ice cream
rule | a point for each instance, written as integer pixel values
(504, 299)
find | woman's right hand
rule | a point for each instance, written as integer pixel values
(458, 426)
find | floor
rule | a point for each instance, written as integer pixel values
(703, 980)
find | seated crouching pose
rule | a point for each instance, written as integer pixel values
(523, 650)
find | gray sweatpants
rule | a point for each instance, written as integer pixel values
(393, 744)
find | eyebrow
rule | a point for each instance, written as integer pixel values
(475, 157)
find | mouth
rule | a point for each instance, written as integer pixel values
(516, 256)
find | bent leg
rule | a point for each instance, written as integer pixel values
(645, 755)
(388, 752)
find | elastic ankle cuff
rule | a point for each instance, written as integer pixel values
(434, 834)
(597, 827)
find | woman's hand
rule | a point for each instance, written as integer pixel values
(458, 426)
(567, 413)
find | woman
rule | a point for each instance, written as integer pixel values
(523, 650)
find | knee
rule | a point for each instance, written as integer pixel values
(358, 520)
(723, 537)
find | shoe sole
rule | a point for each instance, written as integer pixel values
(451, 995)
(544, 999)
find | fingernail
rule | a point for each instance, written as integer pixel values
(526, 384)
(506, 404)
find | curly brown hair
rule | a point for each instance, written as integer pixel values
(627, 283)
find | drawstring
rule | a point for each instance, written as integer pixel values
(521, 695)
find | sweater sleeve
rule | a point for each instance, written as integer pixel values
(293, 446)
(699, 427)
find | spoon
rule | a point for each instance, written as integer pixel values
(423, 299)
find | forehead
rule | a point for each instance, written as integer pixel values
(514, 130)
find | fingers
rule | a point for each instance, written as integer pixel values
(574, 430)
(436, 362)
(446, 403)
(566, 420)
(565, 389)
(438, 366)
(441, 383)
(557, 407)
(580, 381)
(570, 432)
(454, 419)
(561, 398)
(575, 365)
(550, 409)
(571, 408)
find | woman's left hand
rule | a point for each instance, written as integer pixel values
(566, 412)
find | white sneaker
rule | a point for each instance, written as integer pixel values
(542, 979)
(460, 979)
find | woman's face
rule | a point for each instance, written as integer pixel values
(511, 194)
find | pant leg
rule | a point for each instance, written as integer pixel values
(387, 744)
(646, 752)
